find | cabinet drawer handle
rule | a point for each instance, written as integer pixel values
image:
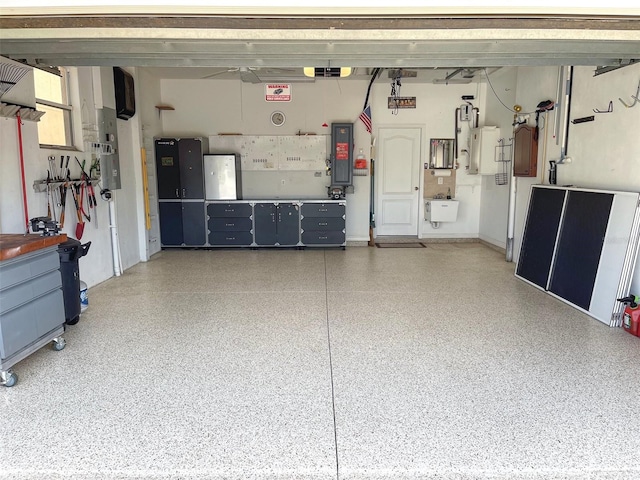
(229, 224)
(323, 209)
(323, 224)
(322, 238)
(177, 193)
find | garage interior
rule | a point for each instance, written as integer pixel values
(355, 363)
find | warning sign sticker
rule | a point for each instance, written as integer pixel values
(342, 151)
(277, 92)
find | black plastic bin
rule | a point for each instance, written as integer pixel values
(70, 252)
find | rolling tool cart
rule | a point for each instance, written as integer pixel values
(31, 305)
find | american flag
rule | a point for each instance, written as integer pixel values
(365, 116)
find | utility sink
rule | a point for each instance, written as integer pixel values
(440, 210)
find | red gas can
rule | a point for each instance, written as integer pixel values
(631, 315)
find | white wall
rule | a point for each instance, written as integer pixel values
(604, 152)
(210, 107)
(97, 266)
(435, 113)
(494, 205)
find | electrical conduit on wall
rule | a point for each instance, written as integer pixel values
(115, 244)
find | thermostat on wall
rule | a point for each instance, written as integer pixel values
(278, 118)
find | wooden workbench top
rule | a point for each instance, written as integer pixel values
(15, 244)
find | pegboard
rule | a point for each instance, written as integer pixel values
(271, 153)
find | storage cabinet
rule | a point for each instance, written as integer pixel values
(230, 224)
(31, 301)
(179, 167)
(277, 224)
(525, 154)
(580, 245)
(323, 223)
(249, 223)
(182, 224)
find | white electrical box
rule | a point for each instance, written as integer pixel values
(465, 112)
(484, 143)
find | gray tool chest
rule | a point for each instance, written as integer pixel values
(31, 307)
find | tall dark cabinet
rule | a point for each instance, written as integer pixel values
(181, 204)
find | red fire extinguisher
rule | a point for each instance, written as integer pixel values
(631, 316)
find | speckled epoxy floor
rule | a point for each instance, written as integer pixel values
(430, 363)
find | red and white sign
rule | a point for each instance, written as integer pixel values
(277, 92)
(342, 151)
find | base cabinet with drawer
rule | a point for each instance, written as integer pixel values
(276, 223)
(230, 224)
(323, 223)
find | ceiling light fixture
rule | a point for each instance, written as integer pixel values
(327, 71)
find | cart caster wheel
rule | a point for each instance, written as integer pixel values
(9, 379)
(59, 344)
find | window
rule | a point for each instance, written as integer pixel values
(52, 97)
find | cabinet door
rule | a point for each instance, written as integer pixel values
(525, 157)
(193, 224)
(288, 220)
(170, 223)
(266, 232)
(191, 179)
(168, 168)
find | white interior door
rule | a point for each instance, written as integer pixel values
(397, 185)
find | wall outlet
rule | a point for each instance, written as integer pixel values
(440, 181)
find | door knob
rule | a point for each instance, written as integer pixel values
(415, 188)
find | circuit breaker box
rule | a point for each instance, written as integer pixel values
(341, 154)
(108, 140)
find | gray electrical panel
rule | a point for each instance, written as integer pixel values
(108, 145)
(341, 154)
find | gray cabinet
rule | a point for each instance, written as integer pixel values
(323, 223)
(179, 170)
(277, 224)
(230, 224)
(182, 223)
(31, 307)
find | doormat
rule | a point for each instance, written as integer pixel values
(401, 245)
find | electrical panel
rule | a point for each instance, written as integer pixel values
(108, 142)
(341, 154)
